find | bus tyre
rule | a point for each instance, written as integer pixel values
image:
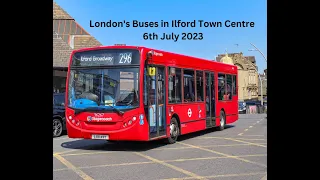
(222, 121)
(174, 131)
(57, 127)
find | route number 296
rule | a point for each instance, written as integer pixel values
(125, 58)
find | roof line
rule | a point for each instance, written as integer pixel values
(63, 19)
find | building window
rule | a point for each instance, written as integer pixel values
(188, 85)
(174, 90)
(200, 90)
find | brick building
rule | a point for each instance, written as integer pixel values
(67, 36)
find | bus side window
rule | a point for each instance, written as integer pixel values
(229, 87)
(200, 86)
(234, 85)
(189, 85)
(221, 86)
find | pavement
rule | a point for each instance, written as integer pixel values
(239, 152)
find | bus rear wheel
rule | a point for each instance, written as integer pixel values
(222, 121)
(174, 131)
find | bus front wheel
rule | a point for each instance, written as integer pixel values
(174, 131)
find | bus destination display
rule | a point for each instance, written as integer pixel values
(105, 58)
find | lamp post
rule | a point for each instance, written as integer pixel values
(256, 49)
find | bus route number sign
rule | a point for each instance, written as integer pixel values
(125, 58)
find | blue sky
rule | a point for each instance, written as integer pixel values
(216, 40)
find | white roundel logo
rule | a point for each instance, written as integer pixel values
(189, 112)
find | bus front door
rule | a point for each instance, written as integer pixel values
(156, 102)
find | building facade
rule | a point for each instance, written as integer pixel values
(264, 84)
(67, 36)
(247, 74)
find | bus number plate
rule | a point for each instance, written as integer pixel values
(96, 136)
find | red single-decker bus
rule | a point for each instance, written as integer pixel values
(130, 93)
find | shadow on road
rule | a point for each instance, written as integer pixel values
(136, 146)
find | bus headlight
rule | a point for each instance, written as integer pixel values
(129, 122)
(74, 121)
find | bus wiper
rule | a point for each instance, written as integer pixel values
(78, 111)
(117, 110)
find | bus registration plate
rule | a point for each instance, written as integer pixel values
(97, 136)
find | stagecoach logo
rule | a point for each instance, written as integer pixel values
(98, 117)
(155, 53)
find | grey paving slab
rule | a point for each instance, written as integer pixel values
(103, 159)
(240, 150)
(133, 172)
(57, 164)
(218, 167)
(66, 175)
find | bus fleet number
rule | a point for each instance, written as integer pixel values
(192, 36)
(125, 58)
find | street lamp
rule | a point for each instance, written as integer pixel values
(256, 49)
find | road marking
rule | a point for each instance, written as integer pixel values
(61, 169)
(251, 139)
(240, 134)
(222, 175)
(258, 121)
(81, 148)
(255, 144)
(250, 126)
(208, 137)
(88, 153)
(254, 135)
(159, 149)
(58, 139)
(170, 166)
(216, 152)
(246, 130)
(63, 152)
(223, 145)
(209, 158)
(72, 167)
(264, 177)
(151, 162)
(121, 164)
(236, 140)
